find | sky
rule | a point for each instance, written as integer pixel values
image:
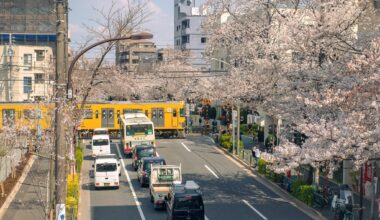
(160, 22)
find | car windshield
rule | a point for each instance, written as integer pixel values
(146, 129)
(147, 164)
(188, 202)
(100, 142)
(106, 167)
(100, 132)
(145, 152)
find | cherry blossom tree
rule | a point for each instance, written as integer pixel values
(295, 60)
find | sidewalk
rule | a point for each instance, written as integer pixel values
(30, 200)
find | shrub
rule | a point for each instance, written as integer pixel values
(306, 194)
(295, 187)
(262, 166)
(72, 195)
(275, 177)
(226, 141)
(78, 158)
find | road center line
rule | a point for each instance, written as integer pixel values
(253, 208)
(213, 173)
(186, 147)
(138, 204)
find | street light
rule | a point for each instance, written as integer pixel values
(138, 36)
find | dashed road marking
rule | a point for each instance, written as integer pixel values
(253, 208)
(212, 172)
(186, 147)
(138, 204)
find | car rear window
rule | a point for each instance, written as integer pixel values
(145, 152)
(100, 132)
(188, 202)
(100, 142)
(106, 167)
(153, 162)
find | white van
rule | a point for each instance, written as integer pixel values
(105, 156)
(100, 144)
(106, 173)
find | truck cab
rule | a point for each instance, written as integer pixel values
(106, 173)
(161, 178)
(185, 202)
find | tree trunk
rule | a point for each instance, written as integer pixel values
(2, 189)
(316, 176)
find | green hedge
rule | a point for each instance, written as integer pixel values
(252, 130)
(72, 196)
(262, 166)
(302, 191)
(78, 158)
(226, 142)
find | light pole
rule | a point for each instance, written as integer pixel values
(138, 36)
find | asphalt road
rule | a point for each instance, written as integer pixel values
(230, 191)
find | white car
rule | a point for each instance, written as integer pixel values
(100, 131)
(106, 173)
(100, 145)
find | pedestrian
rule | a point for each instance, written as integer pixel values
(190, 125)
(255, 155)
(214, 124)
(200, 121)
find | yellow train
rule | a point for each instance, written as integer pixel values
(168, 117)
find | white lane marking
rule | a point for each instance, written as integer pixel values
(213, 173)
(212, 140)
(186, 147)
(253, 208)
(206, 218)
(138, 204)
(157, 154)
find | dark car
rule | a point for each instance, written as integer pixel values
(143, 171)
(185, 202)
(141, 151)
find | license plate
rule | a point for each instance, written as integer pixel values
(106, 184)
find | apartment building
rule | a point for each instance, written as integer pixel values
(27, 48)
(136, 55)
(188, 33)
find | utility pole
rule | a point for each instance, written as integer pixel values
(60, 90)
(238, 128)
(8, 83)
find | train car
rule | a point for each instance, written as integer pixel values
(29, 114)
(168, 117)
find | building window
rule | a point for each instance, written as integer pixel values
(27, 61)
(185, 24)
(376, 4)
(203, 40)
(40, 55)
(185, 39)
(39, 78)
(27, 85)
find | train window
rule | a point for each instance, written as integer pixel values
(174, 112)
(96, 114)
(29, 114)
(154, 114)
(182, 112)
(87, 114)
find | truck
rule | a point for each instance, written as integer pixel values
(162, 177)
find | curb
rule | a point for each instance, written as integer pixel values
(314, 214)
(18, 185)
